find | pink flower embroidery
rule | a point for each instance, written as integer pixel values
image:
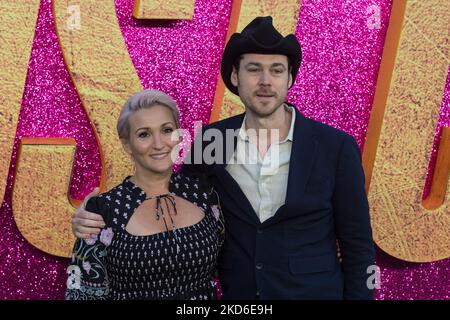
(106, 236)
(216, 211)
(91, 240)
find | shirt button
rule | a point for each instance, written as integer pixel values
(259, 266)
(259, 231)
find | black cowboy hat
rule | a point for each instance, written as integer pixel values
(259, 36)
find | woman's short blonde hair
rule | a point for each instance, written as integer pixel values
(143, 100)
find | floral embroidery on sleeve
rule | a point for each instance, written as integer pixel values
(88, 278)
(87, 273)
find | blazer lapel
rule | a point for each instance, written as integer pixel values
(234, 191)
(303, 153)
(304, 148)
(230, 186)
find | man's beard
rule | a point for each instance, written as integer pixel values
(260, 111)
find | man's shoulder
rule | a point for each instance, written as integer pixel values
(326, 131)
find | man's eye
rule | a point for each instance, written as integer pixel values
(278, 71)
(253, 70)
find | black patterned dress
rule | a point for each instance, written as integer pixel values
(176, 264)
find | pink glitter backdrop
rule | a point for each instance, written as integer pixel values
(335, 85)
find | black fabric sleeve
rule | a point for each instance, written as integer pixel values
(87, 273)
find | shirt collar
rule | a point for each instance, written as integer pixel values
(290, 136)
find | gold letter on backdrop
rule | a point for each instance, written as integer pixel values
(18, 21)
(402, 125)
(40, 194)
(103, 74)
(285, 14)
(91, 47)
(164, 9)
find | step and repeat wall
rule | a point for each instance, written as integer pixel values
(377, 69)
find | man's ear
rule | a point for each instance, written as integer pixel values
(290, 79)
(234, 77)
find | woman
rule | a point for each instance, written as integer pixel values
(162, 233)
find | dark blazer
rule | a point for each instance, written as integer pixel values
(293, 255)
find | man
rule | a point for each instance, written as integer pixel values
(304, 192)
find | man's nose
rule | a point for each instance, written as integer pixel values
(264, 78)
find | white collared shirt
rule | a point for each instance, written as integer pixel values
(263, 180)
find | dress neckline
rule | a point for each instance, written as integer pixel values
(164, 233)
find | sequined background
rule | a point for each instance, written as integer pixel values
(335, 85)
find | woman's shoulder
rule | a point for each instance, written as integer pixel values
(195, 188)
(110, 197)
(192, 181)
